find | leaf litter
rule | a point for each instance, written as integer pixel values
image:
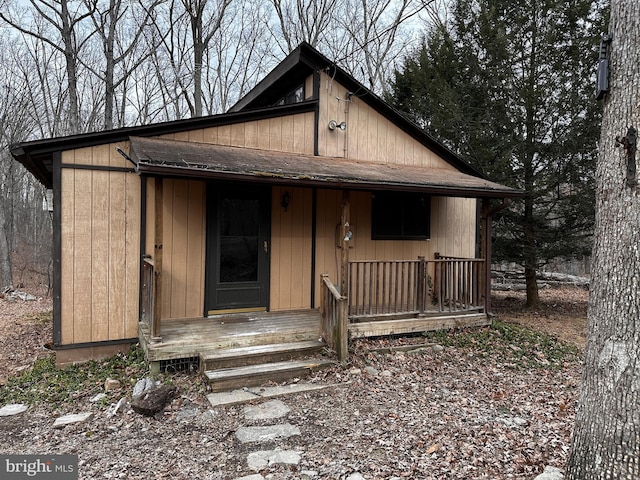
(494, 403)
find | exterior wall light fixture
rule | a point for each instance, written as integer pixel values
(333, 125)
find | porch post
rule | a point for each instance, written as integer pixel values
(156, 334)
(345, 235)
(486, 253)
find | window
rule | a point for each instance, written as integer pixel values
(400, 216)
(294, 96)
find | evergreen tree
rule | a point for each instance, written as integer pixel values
(509, 86)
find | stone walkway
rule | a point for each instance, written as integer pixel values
(274, 410)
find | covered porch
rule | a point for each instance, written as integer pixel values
(382, 298)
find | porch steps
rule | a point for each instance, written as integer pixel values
(253, 375)
(232, 368)
(258, 354)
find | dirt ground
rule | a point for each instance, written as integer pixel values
(562, 312)
(451, 414)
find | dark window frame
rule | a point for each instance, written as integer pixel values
(400, 216)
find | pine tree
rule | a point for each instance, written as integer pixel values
(509, 86)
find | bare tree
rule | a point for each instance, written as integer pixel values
(67, 37)
(119, 24)
(606, 436)
(305, 20)
(364, 36)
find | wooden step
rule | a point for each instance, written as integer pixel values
(257, 354)
(254, 375)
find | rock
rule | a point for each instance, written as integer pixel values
(265, 434)
(13, 409)
(154, 400)
(266, 411)
(387, 373)
(256, 476)
(550, 473)
(355, 476)
(142, 386)
(308, 474)
(110, 384)
(98, 397)
(116, 407)
(437, 349)
(355, 371)
(371, 371)
(265, 458)
(65, 420)
(186, 414)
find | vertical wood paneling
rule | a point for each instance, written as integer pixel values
(99, 260)
(210, 135)
(275, 134)
(132, 249)
(167, 246)
(195, 250)
(82, 293)
(117, 257)
(179, 248)
(224, 135)
(67, 256)
(183, 248)
(237, 135)
(290, 249)
(196, 135)
(251, 134)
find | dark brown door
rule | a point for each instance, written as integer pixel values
(238, 242)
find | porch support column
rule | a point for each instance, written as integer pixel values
(345, 236)
(156, 334)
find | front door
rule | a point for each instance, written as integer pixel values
(237, 274)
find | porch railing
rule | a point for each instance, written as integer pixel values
(148, 295)
(334, 311)
(417, 287)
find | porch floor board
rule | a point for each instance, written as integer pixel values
(185, 338)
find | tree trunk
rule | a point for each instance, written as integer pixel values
(606, 438)
(6, 274)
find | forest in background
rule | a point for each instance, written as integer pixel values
(507, 85)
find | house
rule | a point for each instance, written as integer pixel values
(311, 209)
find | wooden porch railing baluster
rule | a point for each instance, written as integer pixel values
(405, 286)
(334, 312)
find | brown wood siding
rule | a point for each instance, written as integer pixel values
(290, 133)
(369, 136)
(290, 286)
(453, 224)
(100, 257)
(183, 248)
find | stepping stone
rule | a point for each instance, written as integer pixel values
(72, 418)
(220, 399)
(13, 409)
(280, 390)
(550, 473)
(266, 434)
(266, 411)
(256, 476)
(262, 459)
